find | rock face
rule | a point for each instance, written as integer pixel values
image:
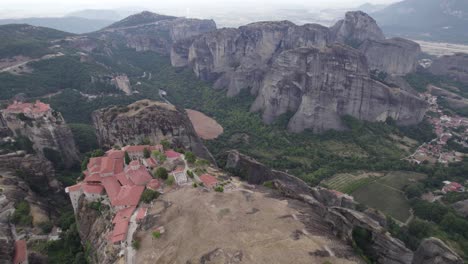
(321, 85)
(92, 224)
(147, 120)
(27, 178)
(122, 83)
(434, 251)
(337, 209)
(46, 129)
(455, 66)
(396, 56)
(461, 207)
(356, 28)
(149, 31)
(270, 59)
(237, 58)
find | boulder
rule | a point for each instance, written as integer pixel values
(434, 251)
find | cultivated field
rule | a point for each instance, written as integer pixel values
(349, 182)
(440, 48)
(386, 194)
(206, 127)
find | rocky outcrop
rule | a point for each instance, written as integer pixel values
(337, 209)
(122, 83)
(461, 208)
(47, 131)
(434, 251)
(152, 32)
(235, 59)
(93, 227)
(147, 120)
(27, 178)
(320, 86)
(356, 28)
(395, 56)
(454, 66)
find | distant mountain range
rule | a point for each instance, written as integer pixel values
(82, 21)
(436, 20)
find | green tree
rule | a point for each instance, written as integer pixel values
(420, 229)
(149, 195)
(161, 173)
(84, 136)
(156, 234)
(146, 153)
(127, 158)
(190, 157)
(414, 190)
(166, 144)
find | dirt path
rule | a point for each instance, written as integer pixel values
(131, 230)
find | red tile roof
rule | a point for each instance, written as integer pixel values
(129, 195)
(171, 154)
(140, 148)
(115, 154)
(154, 184)
(20, 252)
(124, 215)
(139, 176)
(94, 162)
(93, 188)
(112, 187)
(120, 232)
(141, 213)
(74, 188)
(118, 166)
(37, 107)
(151, 162)
(95, 177)
(107, 165)
(208, 180)
(123, 179)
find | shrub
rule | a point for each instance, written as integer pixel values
(146, 153)
(195, 185)
(149, 195)
(22, 215)
(170, 181)
(46, 227)
(269, 184)
(166, 145)
(136, 244)
(156, 235)
(219, 189)
(190, 157)
(190, 174)
(162, 173)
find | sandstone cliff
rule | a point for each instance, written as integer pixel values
(149, 31)
(321, 85)
(355, 28)
(92, 226)
(27, 178)
(339, 211)
(236, 59)
(147, 120)
(396, 56)
(47, 131)
(455, 66)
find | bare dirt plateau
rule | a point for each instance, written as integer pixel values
(243, 225)
(206, 127)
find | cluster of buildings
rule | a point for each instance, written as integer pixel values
(445, 127)
(29, 109)
(452, 187)
(110, 181)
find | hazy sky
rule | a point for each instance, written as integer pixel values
(18, 8)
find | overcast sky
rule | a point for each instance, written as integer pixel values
(18, 8)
